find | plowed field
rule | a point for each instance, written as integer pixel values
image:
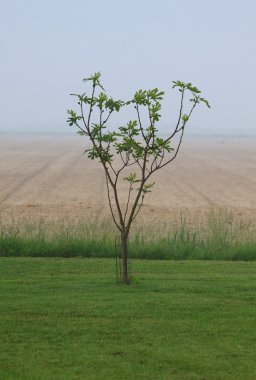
(49, 177)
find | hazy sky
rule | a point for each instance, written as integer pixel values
(48, 46)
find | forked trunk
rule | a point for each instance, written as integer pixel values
(124, 250)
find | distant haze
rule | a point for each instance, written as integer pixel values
(48, 47)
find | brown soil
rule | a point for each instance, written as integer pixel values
(49, 177)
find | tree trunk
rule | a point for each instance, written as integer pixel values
(124, 259)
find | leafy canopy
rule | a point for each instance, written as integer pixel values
(137, 144)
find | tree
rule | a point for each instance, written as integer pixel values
(137, 144)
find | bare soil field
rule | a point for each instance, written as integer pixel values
(48, 176)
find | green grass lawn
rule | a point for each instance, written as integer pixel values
(68, 319)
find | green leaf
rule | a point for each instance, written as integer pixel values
(82, 133)
(147, 188)
(140, 97)
(101, 100)
(179, 84)
(114, 105)
(206, 102)
(95, 79)
(131, 178)
(74, 118)
(192, 88)
(155, 94)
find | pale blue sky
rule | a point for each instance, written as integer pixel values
(48, 46)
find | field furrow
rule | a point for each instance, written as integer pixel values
(48, 176)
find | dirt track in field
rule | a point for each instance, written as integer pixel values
(49, 177)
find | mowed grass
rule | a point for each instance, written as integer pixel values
(68, 319)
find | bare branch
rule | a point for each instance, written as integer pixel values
(82, 114)
(91, 105)
(178, 122)
(175, 155)
(143, 170)
(105, 121)
(139, 207)
(81, 129)
(110, 204)
(140, 124)
(128, 201)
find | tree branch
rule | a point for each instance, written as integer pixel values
(110, 205)
(91, 105)
(140, 124)
(140, 205)
(128, 201)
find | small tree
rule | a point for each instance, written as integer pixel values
(137, 145)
